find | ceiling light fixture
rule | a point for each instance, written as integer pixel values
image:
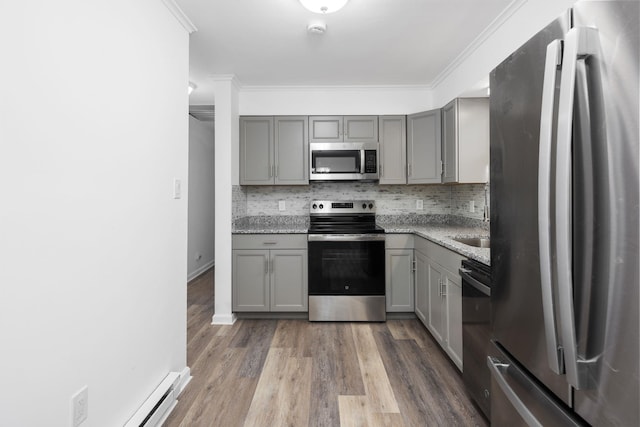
(192, 87)
(323, 6)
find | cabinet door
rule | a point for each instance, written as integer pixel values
(422, 287)
(436, 317)
(450, 142)
(256, 151)
(454, 320)
(325, 129)
(399, 280)
(291, 150)
(289, 280)
(250, 280)
(360, 129)
(393, 149)
(423, 148)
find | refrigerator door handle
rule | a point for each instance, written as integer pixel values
(552, 62)
(498, 372)
(580, 42)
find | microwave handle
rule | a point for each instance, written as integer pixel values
(362, 158)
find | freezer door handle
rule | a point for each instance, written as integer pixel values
(499, 373)
(580, 43)
(551, 67)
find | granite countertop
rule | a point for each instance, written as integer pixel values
(442, 234)
(271, 225)
(437, 228)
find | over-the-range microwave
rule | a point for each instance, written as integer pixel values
(349, 161)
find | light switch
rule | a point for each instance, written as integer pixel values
(419, 204)
(281, 205)
(177, 188)
(472, 206)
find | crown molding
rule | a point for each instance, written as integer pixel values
(226, 78)
(512, 8)
(333, 88)
(182, 18)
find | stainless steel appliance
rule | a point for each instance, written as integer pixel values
(476, 331)
(564, 222)
(334, 161)
(346, 262)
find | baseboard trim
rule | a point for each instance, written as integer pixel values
(200, 270)
(223, 319)
(185, 378)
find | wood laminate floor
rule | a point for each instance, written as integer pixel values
(298, 373)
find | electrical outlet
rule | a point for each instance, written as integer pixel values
(281, 205)
(80, 406)
(472, 206)
(419, 204)
(198, 256)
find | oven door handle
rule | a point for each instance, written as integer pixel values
(346, 237)
(466, 277)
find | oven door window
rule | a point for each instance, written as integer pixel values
(346, 268)
(335, 161)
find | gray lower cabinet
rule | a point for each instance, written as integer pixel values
(343, 129)
(439, 295)
(274, 150)
(393, 149)
(273, 279)
(465, 140)
(424, 141)
(399, 273)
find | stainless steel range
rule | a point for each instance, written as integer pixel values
(346, 262)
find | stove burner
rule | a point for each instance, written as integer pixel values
(343, 217)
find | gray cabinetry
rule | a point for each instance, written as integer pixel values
(274, 150)
(421, 287)
(343, 129)
(439, 295)
(291, 150)
(270, 273)
(423, 148)
(465, 140)
(256, 151)
(393, 149)
(399, 271)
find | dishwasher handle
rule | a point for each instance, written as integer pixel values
(466, 277)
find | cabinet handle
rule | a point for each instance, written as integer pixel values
(413, 265)
(269, 243)
(442, 168)
(277, 170)
(444, 289)
(266, 266)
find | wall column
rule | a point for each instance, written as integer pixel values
(226, 175)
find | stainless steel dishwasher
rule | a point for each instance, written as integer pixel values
(476, 331)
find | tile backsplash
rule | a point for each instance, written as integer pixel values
(390, 199)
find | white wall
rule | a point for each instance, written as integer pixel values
(93, 129)
(346, 100)
(526, 18)
(201, 197)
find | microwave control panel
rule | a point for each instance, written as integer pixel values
(370, 161)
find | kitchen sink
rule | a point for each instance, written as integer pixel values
(478, 242)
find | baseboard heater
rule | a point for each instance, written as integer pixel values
(156, 408)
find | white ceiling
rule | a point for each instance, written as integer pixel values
(369, 42)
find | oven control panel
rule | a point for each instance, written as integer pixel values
(347, 207)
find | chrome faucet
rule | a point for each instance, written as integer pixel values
(485, 214)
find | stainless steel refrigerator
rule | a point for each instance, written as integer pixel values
(564, 223)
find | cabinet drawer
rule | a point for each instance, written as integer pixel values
(399, 241)
(270, 241)
(446, 258)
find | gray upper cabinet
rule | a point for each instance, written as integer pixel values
(424, 148)
(393, 149)
(291, 150)
(343, 128)
(465, 140)
(274, 150)
(256, 151)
